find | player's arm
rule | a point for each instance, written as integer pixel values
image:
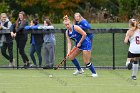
(127, 36)
(68, 43)
(85, 25)
(12, 30)
(82, 32)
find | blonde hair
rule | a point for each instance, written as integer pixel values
(3, 14)
(66, 20)
(132, 23)
(65, 17)
(81, 17)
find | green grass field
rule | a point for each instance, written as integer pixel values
(38, 81)
(100, 25)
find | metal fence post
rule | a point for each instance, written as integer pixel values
(17, 54)
(113, 49)
(65, 65)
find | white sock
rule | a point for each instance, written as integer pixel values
(135, 69)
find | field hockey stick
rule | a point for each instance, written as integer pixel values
(55, 68)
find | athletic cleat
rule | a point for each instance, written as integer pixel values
(94, 75)
(134, 77)
(129, 66)
(78, 72)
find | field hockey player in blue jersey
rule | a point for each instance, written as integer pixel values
(83, 43)
(83, 23)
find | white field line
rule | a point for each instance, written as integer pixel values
(93, 85)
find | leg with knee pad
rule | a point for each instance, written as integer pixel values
(130, 64)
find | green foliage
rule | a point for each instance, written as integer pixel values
(127, 7)
(4, 7)
(56, 9)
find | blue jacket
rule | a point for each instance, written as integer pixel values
(35, 38)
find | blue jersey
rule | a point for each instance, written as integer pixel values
(85, 45)
(85, 26)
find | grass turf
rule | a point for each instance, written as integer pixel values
(38, 81)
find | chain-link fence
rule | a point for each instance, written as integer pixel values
(108, 51)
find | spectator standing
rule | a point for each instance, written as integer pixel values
(17, 32)
(49, 46)
(6, 40)
(36, 44)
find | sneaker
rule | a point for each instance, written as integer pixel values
(33, 66)
(26, 65)
(10, 64)
(78, 72)
(94, 75)
(129, 66)
(14, 63)
(134, 77)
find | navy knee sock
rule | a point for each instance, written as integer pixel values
(76, 63)
(91, 67)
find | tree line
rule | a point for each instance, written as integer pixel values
(95, 11)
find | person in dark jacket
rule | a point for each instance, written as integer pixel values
(6, 40)
(36, 44)
(17, 32)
